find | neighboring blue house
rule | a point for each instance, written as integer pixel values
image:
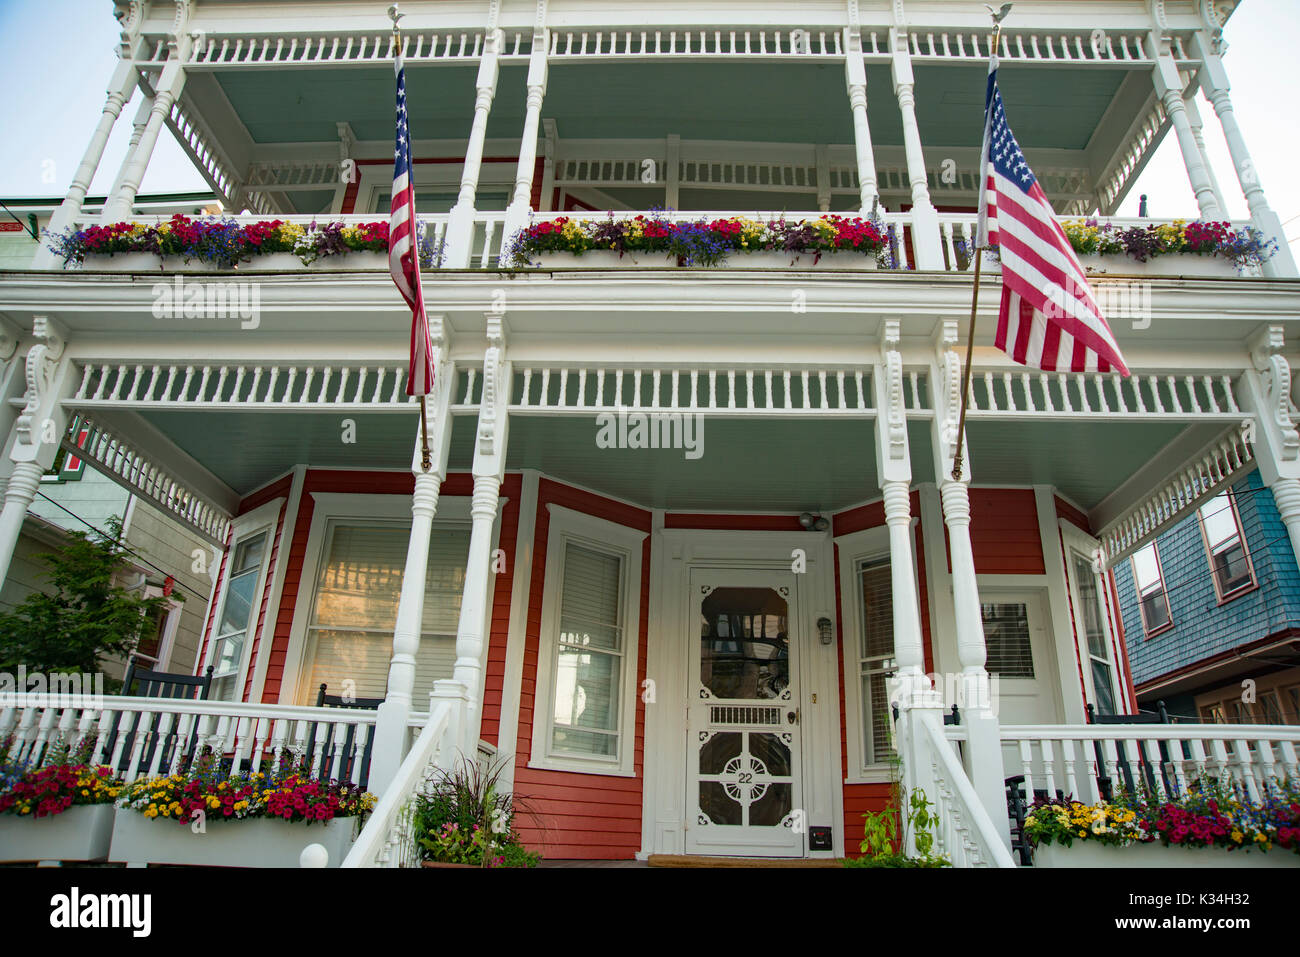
(1211, 613)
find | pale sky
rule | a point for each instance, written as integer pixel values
(60, 56)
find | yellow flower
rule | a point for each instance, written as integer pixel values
(1236, 835)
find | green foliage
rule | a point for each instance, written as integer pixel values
(85, 618)
(883, 845)
(466, 817)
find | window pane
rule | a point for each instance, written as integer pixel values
(1293, 696)
(1146, 569)
(1241, 713)
(589, 605)
(1220, 524)
(238, 609)
(1090, 602)
(1231, 568)
(1006, 636)
(1103, 686)
(248, 554)
(744, 643)
(876, 718)
(586, 697)
(1155, 610)
(877, 611)
(1271, 707)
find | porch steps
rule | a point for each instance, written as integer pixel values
(691, 860)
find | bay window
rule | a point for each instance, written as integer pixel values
(1226, 546)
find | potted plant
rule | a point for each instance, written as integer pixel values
(62, 811)
(1166, 249)
(465, 819)
(256, 819)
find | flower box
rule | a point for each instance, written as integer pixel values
(124, 262)
(604, 259)
(81, 833)
(1094, 854)
(256, 842)
(1191, 265)
(839, 260)
(348, 262)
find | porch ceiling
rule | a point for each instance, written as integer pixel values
(1056, 107)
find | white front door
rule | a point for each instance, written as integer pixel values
(743, 745)
(1021, 656)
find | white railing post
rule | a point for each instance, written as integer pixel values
(170, 83)
(1266, 393)
(1169, 87)
(1214, 80)
(460, 224)
(120, 87)
(520, 204)
(914, 748)
(393, 718)
(925, 218)
(488, 471)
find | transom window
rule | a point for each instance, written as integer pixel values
(1226, 546)
(238, 614)
(1153, 598)
(876, 658)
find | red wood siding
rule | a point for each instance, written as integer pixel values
(1072, 515)
(1004, 532)
(579, 816)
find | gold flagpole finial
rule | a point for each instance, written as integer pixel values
(998, 16)
(394, 14)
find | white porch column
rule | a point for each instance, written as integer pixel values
(1169, 87)
(170, 84)
(1198, 134)
(983, 753)
(926, 241)
(520, 203)
(138, 124)
(856, 81)
(1214, 80)
(392, 736)
(489, 470)
(37, 432)
(1267, 395)
(119, 91)
(460, 223)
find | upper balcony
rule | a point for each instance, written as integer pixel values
(764, 109)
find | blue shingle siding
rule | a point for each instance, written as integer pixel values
(1203, 628)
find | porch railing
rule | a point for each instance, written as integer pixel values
(966, 834)
(388, 838)
(145, 737)
(1090, 763)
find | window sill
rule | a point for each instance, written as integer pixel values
(581, 767)
(1235, 593)
(1167, 626)
(881, 775)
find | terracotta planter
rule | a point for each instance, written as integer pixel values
(1089, 854)
(1190, 265)
(257, 842)
(832, 261)
(78, 834)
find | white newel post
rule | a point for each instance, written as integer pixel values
(1169, 87)
(1214, 80)
(170, 83)
(856, 81)
(926, 241)
(119, 91)
(983, 751)
(392, 735)
(37, 432)
(460, 222)
(488, 470)
(520, 203)
(1277, 440)
(912, 692)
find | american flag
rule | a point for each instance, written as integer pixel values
(1048, 318)
(403, 256)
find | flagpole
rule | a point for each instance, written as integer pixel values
(975, 289)
(426, 457)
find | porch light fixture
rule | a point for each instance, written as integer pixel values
(813, 523)
(826, 629)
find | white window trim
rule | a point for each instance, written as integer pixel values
(854, 548)
(171, 624)
(1147, 630)
(261, 519)
(567, 525)
(363, 509)
(1076, 542)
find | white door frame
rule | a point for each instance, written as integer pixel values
(674, 553)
